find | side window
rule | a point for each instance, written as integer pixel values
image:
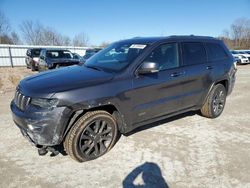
(42, 54)
(166, 55)
(215, 51)
(193, 53)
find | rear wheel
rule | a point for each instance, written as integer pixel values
(33, 68)
(215, 102)
(93, 135)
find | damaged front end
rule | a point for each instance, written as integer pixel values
(41, 121)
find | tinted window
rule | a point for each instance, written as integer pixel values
(55, 54)
(193, 53)
(215, 51)
(166, 55)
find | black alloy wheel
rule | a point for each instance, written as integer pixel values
(91, 136)
(95, 139)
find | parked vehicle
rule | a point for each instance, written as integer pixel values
(245, 54)
(246, 51)
(55, 58)
(128, 84)
(76, 56)
(90, 52)
(32, 57)
(241, 57)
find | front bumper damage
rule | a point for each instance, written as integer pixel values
(42, 127)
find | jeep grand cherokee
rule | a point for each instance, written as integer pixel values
(128, 84)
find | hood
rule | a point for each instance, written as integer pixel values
(68, 78)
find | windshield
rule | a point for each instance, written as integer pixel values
(56, 54)
(116, 57)
(36, 52)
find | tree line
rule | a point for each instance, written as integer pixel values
(237, 36)
(35, 33)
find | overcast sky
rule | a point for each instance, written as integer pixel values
(111, 20)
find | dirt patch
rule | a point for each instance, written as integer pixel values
(14, 79)
(1, 84)
(10, 77)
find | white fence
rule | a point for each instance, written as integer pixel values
(14, 55)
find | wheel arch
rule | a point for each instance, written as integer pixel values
(224, 82)
(110, 108)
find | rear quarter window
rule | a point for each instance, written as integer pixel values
(215, 51)
(193, 53)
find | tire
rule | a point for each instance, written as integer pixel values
(88, 139)
(33, 68)
(215, 102)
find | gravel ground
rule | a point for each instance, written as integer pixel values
(184, 151)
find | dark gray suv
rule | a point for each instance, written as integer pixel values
(126, 85)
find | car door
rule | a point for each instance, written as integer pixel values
(41, 61)
(197, 78)
(158, 94)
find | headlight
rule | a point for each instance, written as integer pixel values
(44, 103)
(35, 59)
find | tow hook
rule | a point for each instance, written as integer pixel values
(43, 150)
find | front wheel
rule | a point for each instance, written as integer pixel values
(93, 135)
(33, 68)
(215, 102)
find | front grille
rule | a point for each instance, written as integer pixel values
(21, 101)
(249, 58)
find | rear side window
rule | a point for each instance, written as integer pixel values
(193, 53)
(215, 51)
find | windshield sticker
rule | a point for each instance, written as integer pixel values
(138, 46)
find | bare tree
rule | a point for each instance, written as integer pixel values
(4, 29)
(32, 32)
(4, 24)
(38, 34)
(104, 44)
(80, 39)
(238, 35)
(15, 38)
(66, 41)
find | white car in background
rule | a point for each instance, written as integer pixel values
(241, 57)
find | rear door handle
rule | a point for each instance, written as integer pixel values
(176, 74)
(209, 67)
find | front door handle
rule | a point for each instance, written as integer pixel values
(209, 67)
(176, 74)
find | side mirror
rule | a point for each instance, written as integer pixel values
(148, 68)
